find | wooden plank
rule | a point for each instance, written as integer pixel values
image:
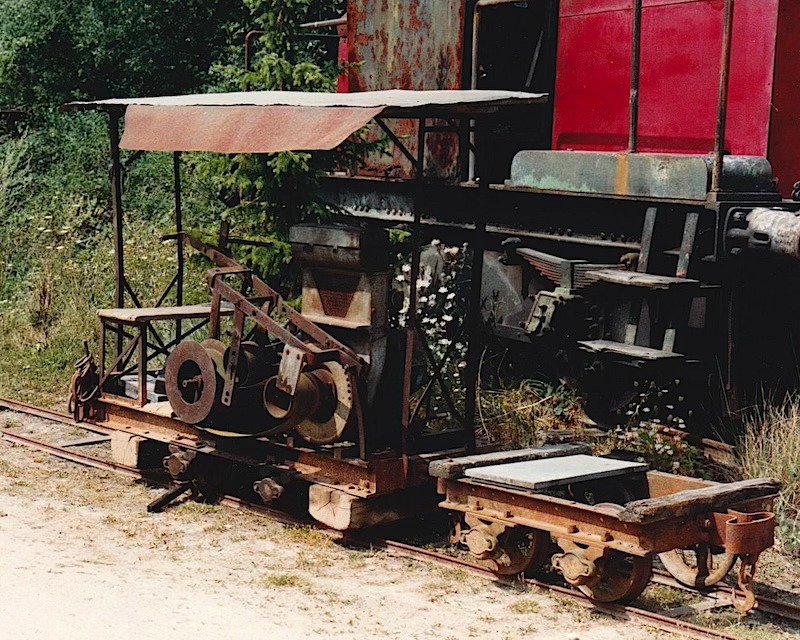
(717, 498)
(538, 475)
(627, 350)
(148, 314)
(343, 511)
(644, 280)
(85, 442)
(454, 468)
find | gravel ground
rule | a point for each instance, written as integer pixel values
(83, 559)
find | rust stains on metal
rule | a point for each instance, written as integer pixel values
(256, 130)
(416, 44)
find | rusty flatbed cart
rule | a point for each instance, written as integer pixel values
(608, 518)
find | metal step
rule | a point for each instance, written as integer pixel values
(627, 350)
(642, 280)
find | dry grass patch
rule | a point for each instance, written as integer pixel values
(525, 606)
(8, 469)
(306, 535)
(520, 416)
(770, 447)
(284, 580)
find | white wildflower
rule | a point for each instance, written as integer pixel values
(406, 268)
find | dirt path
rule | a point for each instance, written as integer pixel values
(82, 559)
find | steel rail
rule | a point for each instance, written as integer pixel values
(71, 456)
(49, 414)
(659, 621)
(621, 612)
(785, 610)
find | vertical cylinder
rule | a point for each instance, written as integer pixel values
(636, 58)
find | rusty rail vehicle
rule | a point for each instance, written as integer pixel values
(620, 208)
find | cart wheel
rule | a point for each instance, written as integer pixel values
(623, 578)
(699, 566)
(521, 549)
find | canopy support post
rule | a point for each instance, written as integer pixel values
(176, 165)
(411, 318)
(116, 216)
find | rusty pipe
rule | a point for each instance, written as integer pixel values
(321, 24)
(636, 57)
(248, 43)
(314, 397)
(722, 104)
(476, 27)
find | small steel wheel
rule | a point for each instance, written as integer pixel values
(521, 549)
(622, 578)
(699, 566)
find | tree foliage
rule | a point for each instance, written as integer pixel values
(269, 193)
(52, 51)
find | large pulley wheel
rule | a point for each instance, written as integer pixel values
(192, 382)
(622, 578)
(328, 423)
(699, 566)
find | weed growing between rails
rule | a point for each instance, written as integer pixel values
(770, 447)
(638, 430)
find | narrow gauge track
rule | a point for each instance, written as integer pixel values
(658, 621)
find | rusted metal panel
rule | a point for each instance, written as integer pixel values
(641, 175)
(408, 44)
(241, 129)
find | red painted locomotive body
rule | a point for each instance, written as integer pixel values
(680, 68)
(425, 44)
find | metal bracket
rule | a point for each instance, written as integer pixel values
(578, 564)
(745, 533)
(233, 357)
(292, 363)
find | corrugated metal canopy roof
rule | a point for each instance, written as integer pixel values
(394, 98)
(272, 121)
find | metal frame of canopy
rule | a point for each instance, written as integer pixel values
(458, 109)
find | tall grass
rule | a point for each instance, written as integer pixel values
(770, 447)
(56, 266)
